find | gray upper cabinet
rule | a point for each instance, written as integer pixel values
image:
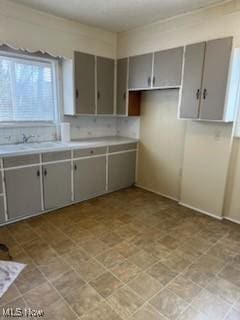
(23, 191)
(84, 73)
(168, 68)
(205, 80)
(121, 170)
(57, 184)
(2, 215)
(215, 78)
(105, 85)
(122, 68)
(89, 177)
(140, 71)
(192, 81)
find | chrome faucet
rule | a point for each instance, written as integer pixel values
(26, 138)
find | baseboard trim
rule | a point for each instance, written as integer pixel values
(201, 211)
(232, 220)
(156, 192)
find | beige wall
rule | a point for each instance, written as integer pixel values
(218, 21)
(162, 142)
(206, 156)
(26, 28)
(232, 201)
(207, 146)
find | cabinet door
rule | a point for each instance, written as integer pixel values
(121, 170)
(105, 85)
(122, 65)
(84, 83)
(89, 177)
(215, 77)
(1, 182)
(57, 184)
(168, 68)
(140, 71)
(192, 80)
(23, 191)
(2, 215)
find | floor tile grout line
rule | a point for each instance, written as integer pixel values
(107, 270)
(51, 285)
(98, 262)
(125, 284)
(124, 257)
(166, 286)
(198, 258)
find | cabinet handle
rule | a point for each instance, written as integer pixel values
(91, 151)
(38, 173)
(75, 167)
(124, 96)
(98, 95)
(149, 81)
(198, 94)
(205, 93)
(45, 172)
(154, 80)
(77, 94)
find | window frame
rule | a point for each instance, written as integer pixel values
(55, 65)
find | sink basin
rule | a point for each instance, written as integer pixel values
(30, 147)
(13, 148)
(44, 145)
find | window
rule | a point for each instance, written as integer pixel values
(27, 89)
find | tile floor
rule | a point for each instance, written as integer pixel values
(127, 255)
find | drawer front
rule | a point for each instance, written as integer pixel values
(123, 147)
(17, 161)
(56, 156)
(89, 152)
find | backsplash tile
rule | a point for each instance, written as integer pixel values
(128, 127)
(87, 127)
(15, 134)
(81, 127)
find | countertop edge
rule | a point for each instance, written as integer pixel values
(73, 145)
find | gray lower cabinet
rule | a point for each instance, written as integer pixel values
(140, 71)
(84, 66)
(23, 190)
(122, 66)
(121, 170)
(2, 215)
(89, 177)
(192, 81)
(168, 68)
(57, 184)
(105, 85)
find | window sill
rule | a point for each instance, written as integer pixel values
(29, 124)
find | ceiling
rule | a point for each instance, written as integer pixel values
(117, 15)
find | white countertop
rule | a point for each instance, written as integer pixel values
(42, 147)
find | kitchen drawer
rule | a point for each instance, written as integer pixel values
(89, 152)
(123, 147)
(56, 156)
(17, 161)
